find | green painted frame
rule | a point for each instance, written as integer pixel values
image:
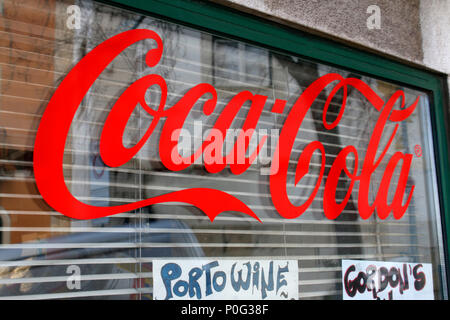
(229, 22)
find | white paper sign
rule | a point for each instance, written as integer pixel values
(374, 280)
(225, 279)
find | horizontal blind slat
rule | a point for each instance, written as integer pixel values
(91, 277)
(81, 294)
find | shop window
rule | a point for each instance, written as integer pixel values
(115, 253)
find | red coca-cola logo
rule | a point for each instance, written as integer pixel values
(59, 114)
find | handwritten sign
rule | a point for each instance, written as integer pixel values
(225, 279)
(377, 280)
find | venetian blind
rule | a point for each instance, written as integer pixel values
(43, 253)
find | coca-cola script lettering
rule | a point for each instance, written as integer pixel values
(59, 114)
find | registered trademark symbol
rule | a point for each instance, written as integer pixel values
(418, 150)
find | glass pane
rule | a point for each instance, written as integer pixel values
(41, 248)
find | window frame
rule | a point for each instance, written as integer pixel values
(228, 22)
